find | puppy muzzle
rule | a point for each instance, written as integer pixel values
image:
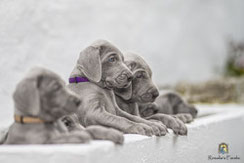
(150, 95)
(124, 79)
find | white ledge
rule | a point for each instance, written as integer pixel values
(216, 124)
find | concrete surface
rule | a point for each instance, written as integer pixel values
(216, 124)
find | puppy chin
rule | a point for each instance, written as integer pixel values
(109, 84)
(49, 118)
(126, 85)
(147, 113)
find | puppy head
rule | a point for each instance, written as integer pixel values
(185, 108)
(103, 64)
(43, 94)
(175, 102)
(143, 89)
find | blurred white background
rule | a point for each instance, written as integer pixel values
(181, 40)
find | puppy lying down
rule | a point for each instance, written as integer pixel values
(170, 103)
(99, 70)
(40, 100)
(167, 103)
(143, 92)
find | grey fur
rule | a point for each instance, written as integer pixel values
(51, 94)
(98, 100)
(171, 103)
(42, 94)
(3, 135)
(177, 104)
(96, 132)
(143, 93)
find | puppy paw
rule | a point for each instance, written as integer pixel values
(173, 123)
(115, 136)
(141, 129)
(184, 117)
(181, 128)
(79, 137)
(159, 128)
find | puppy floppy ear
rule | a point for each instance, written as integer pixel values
(39, 80)
(26, 97)
(89, 63)
(125, 93)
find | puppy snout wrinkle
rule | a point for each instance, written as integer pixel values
(122, 77)
(125, 77)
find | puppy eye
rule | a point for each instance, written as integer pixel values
(56, 87)
(140, 75)
(112, 59)
(66, 122)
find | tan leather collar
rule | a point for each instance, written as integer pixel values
(24, 119)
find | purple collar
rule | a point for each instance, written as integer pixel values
(78, 80)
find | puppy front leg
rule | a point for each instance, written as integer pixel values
(103, 133)
(184, 117)
(70, 138)
(159, 129)
(171, 122)
(101, 117)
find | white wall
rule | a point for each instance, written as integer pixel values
(180, 39)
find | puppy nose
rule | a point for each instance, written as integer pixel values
(195, 111)
(77, 101)
(154, 93)
(128, 75)
(129, 78)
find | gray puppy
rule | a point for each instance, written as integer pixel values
(143, 92)
(99, 70)
(41, 99)
(170, 103)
